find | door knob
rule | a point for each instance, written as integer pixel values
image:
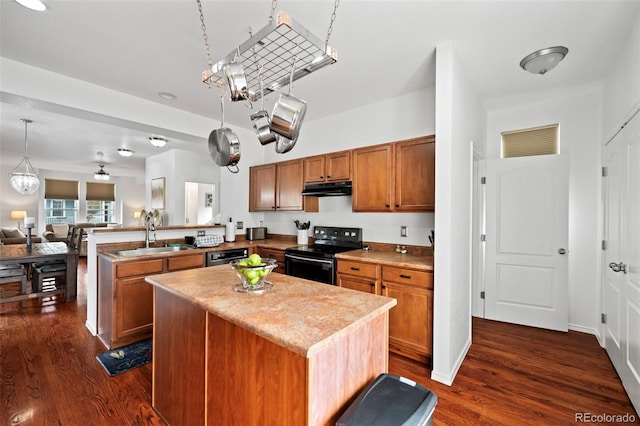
(561, 251)
(618, 267)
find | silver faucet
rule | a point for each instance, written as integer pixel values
(149, 226)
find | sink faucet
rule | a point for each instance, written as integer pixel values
(149, 226)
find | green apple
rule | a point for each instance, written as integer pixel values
(255, 259)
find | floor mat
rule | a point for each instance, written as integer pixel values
(118, 361)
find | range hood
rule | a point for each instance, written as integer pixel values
(330, 189)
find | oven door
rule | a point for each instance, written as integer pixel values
(322, 270)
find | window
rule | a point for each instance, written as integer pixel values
(60, 211)
(101, 202)
(534, 141)
(100, 211)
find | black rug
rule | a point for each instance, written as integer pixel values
(118, 361)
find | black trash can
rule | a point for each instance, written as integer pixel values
(391, 401)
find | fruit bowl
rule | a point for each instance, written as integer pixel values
(253, 273)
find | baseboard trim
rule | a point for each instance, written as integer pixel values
(448, 377)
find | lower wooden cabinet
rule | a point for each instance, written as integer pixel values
(411, 320)
(273, 253)
(125, 299)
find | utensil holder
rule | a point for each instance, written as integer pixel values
(303, 236)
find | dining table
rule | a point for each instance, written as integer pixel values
(44, 252)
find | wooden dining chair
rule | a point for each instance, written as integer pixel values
(49, 279)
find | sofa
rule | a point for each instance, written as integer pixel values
(57, 232)
(16, 236)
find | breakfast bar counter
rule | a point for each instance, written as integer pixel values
(298, 353)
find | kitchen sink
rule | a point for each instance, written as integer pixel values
(150, 250)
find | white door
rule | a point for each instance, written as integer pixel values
(622, 258)
(526, 241)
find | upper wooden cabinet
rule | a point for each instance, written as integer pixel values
(333, 167)
(278, 187)
(395, 176)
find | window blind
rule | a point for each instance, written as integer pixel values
(101, 191)
(56, 189)
(534, 141)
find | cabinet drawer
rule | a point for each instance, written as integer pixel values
(272, 254)
(185, 262)
(408, 276)
(146, 267)
(360, 269)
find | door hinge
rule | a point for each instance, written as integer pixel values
(483, 237)
(604, 244)
(605, 171)
(482, 295)
(603, 318)
(483, 180)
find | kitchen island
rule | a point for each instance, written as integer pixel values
(297, 354)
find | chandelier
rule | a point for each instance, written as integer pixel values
(23, 178)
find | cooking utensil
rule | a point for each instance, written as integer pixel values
(261, 120)
(236, 80)
(224, 145)
(288, 114)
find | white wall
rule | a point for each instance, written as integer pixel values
(394, 119)
(578, 115)
(460, 119)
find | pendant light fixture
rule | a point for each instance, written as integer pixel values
(23, 178)
(543, 60)
(101, 174)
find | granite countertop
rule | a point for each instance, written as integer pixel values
(300, 315)
(390, 258)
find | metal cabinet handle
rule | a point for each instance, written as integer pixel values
(321, 177)
(405, 276)
(353, 268)
(618, 267)
(561, 251)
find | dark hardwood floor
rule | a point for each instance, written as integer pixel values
(512, 375)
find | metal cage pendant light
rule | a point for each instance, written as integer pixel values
(23, 178)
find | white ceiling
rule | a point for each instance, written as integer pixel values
(385, 49)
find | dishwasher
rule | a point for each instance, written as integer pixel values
(221, 257)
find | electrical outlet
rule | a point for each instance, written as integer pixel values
(239, 224)
(200, 233)
(403, 231)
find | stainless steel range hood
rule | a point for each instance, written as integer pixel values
(330, 189)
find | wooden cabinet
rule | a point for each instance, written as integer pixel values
(395, 177)
(278, 187)
(333, 167)
(273, 253)
(125, 313)
(411, 320)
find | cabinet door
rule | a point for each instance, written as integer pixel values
(289, 186)
(314, 169)
(373, 172)
(338, 166)
(415, 175)
(134, 307)
(410, 321)
(262, 188)
(276, 254)
(366, 285)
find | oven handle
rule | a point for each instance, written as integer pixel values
(307, 259)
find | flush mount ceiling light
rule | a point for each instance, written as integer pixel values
(36, 5)
(157, 141)
(101, 174)
(23, 178)
(543, 60)
(125, 152)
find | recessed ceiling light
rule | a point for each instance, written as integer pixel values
(125, 152)
(168, 96)
(157, 141)
(36, 5)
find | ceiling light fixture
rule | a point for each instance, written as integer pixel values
(544, 60)
(168, 96)
(36, 5)
(101, 174)
(125, 152)
(24, 181)
(157, 141)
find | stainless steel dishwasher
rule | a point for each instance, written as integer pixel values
(225, 256)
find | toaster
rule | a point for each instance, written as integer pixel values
(259, 233)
